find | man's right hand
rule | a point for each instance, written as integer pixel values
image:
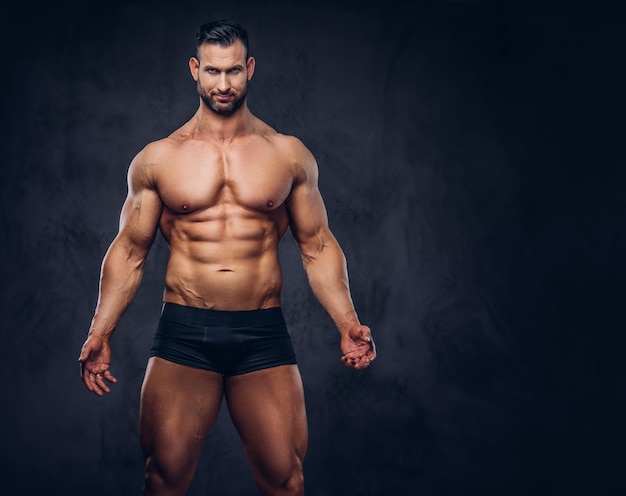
(95, 358)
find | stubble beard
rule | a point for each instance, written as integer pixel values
(225, 109)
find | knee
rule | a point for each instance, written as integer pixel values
(167, 478)
(287, 482)
(294, 484)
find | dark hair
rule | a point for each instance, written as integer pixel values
(223, 33)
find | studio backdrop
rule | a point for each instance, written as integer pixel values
(471, 159)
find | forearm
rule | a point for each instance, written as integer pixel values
(120, 277)
(328, 277)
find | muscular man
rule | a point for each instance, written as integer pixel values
(223, 189)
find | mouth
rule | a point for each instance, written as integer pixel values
(224, 98)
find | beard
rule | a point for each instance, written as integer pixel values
(223, 108)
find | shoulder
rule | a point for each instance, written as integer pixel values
(158, 151)
(291, 145)
(155, 151)
(296, 153)
(290, 148)
(146, 164)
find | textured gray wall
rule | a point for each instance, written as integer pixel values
(471, 158)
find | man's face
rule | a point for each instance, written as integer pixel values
(222, 75)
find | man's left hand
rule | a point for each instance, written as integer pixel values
(358, 348)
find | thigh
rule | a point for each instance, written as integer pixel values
(179, 404)
(267, 408)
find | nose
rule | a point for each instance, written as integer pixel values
(223, 84)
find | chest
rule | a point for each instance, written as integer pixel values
(256, 178)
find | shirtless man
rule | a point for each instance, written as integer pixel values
(223, 189)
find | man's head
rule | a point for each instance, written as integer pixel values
(221, 66)
(223, 33)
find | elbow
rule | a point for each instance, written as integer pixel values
(129, 254)
(307, 260)
(135, 255)
(136, 261)
(313, 252)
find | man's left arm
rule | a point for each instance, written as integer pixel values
(324, 260)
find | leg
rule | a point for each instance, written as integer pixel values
(179, 404)
(267, 408)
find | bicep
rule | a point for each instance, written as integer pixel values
(307, 213)
(308, 219)
(141, 210)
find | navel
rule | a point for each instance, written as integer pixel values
(185, 207)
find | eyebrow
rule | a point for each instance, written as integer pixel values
(236, 66)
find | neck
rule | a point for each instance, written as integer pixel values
(210, 125)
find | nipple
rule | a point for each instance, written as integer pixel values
(185, 207)
(270, 203)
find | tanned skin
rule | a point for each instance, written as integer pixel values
(223, 189)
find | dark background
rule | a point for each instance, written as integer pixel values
(472, 161)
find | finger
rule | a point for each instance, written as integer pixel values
(363, 363)
(89, 378)
(86, 350)
(359, 351)
(352, 355)
(351, 361)
(372, 347)
(371, 354)
(84, 354)
(359, 339)
(97, 384)
(109, 377)
(90, 384)
(99, 380)
(347, 360)
(357, 362)
(366, 334)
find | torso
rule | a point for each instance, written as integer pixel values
(223, 215)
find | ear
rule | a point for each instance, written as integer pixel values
(194, 67)
(250, 65)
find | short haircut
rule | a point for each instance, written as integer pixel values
(223, 33)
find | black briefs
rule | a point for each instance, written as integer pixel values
(226, 342)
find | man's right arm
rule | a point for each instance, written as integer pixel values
(122, 269)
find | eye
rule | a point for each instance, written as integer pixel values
(235, 70)
(212, 70)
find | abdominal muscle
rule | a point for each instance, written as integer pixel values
(223, 264)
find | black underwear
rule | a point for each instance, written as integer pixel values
(226, 342)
